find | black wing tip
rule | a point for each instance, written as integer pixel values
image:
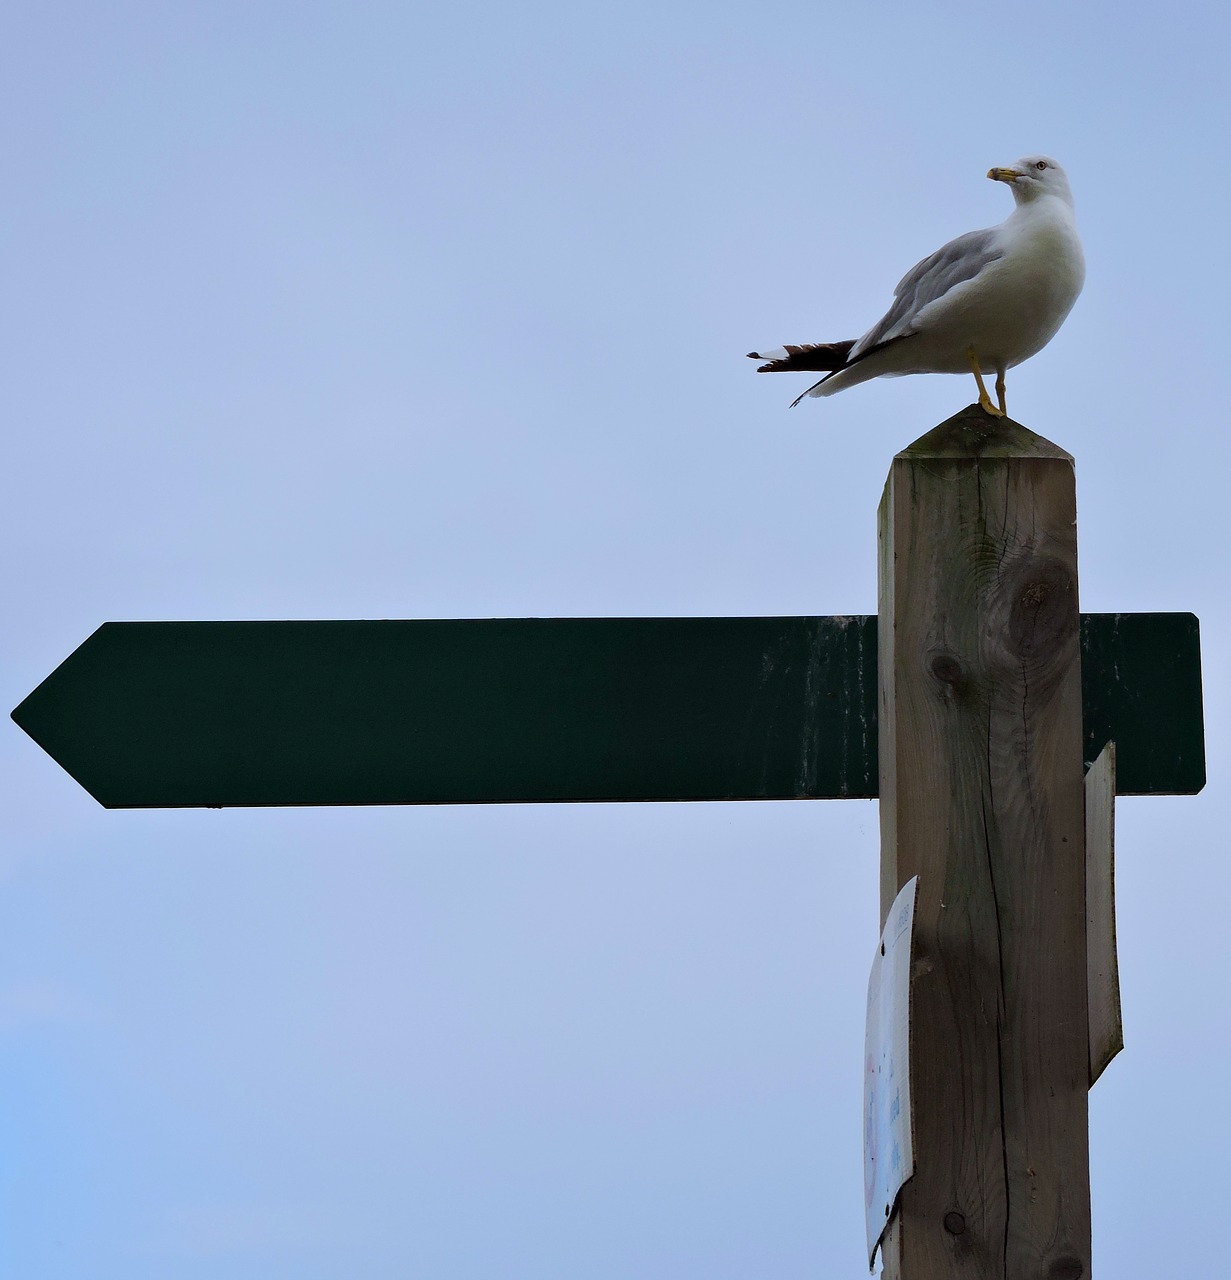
(774, 366)
(812, 357)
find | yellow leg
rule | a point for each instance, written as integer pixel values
(1000, 392)
(985, 402)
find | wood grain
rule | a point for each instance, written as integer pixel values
(982, 797)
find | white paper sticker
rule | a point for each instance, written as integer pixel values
(888, 1156)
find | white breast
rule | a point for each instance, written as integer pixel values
(1013, 308)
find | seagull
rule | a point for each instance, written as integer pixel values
(982, 304)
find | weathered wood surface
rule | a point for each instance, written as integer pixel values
(982, 796)
(1102, 966)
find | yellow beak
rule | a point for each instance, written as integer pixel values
(1003, 175)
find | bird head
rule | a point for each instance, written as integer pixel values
(1034, 176)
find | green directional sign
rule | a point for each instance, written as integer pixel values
(190, 714)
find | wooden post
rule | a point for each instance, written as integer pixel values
(981, 796)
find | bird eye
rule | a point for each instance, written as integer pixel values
(1040, 164)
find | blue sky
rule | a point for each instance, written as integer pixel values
(375, 310)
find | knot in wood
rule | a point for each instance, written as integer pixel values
(1042, 632)
(948, 670)
(1066, 1269)
(955, 1223)
(1044, 607)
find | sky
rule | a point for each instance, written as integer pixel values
(377, 310)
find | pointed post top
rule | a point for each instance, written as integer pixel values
(975, 434)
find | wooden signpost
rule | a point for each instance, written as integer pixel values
(973, 705)
(982, 798)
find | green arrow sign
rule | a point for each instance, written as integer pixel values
(176, 714)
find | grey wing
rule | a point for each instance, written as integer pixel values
(959, 260)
